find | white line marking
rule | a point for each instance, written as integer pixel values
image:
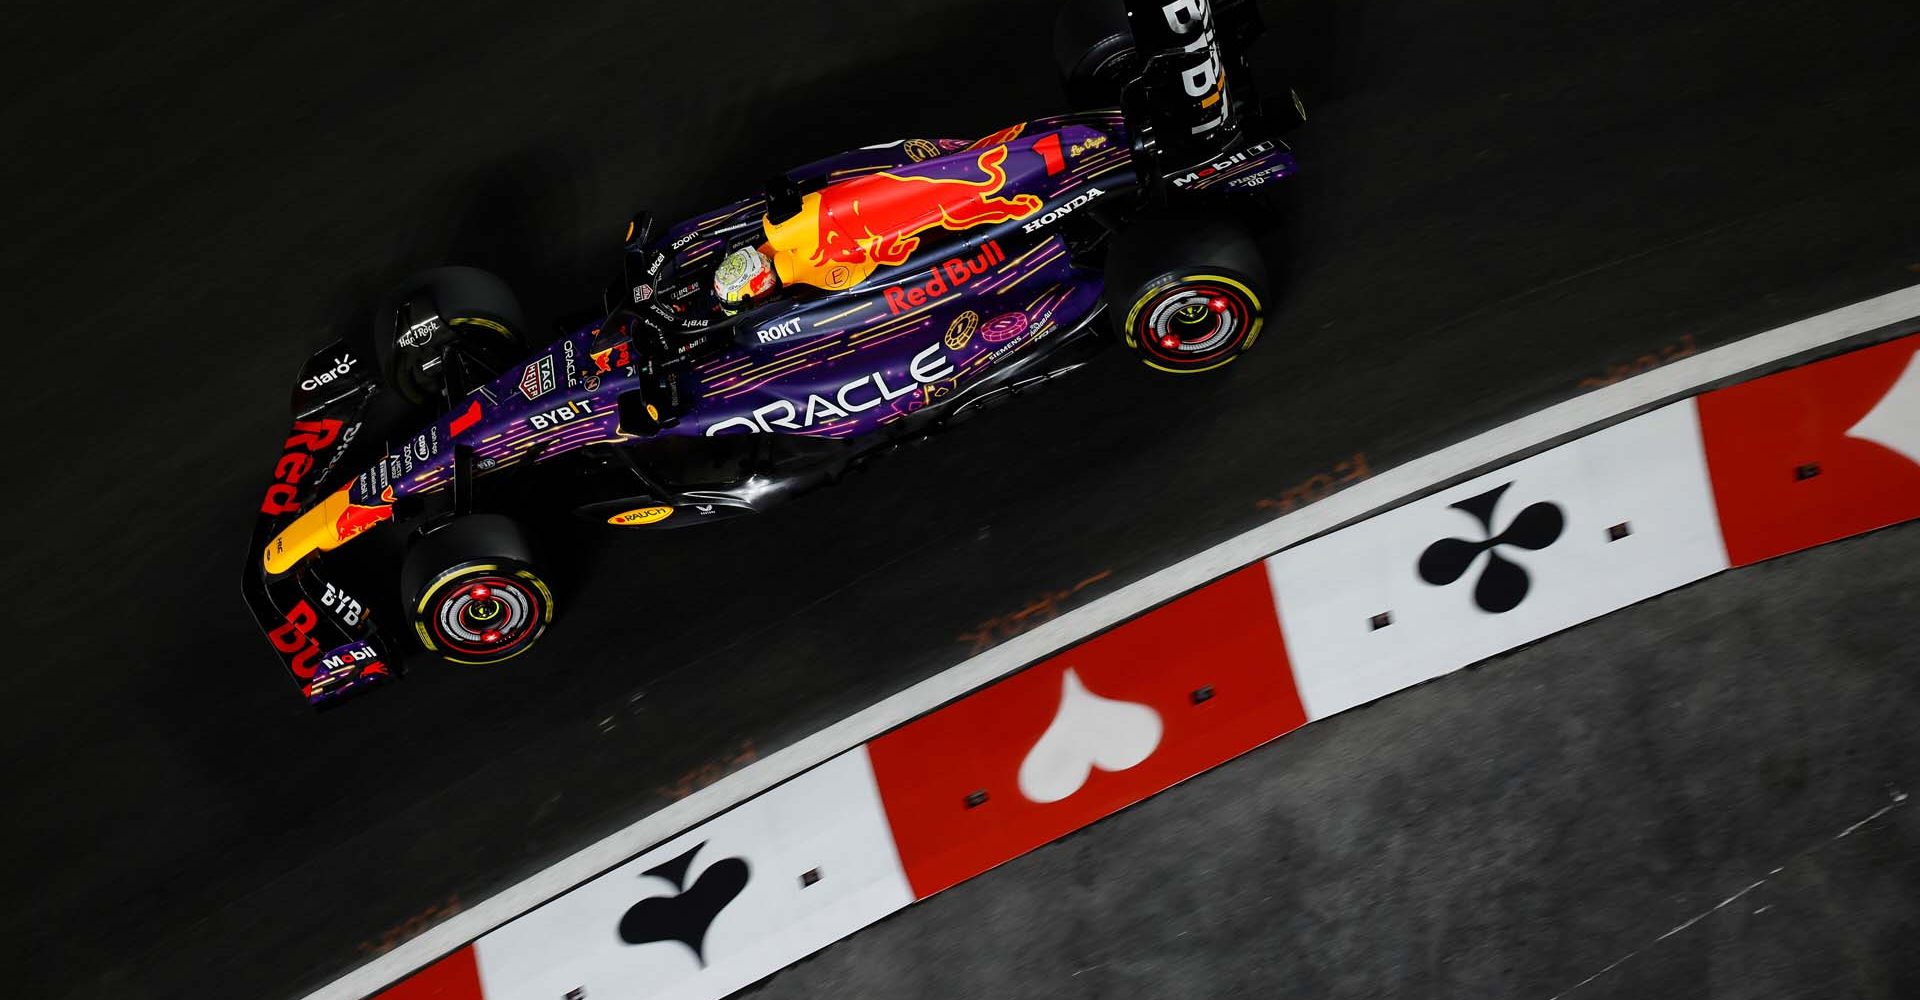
(1899, 797)
(1616, 963)
(1396, 484)
(1717, 907)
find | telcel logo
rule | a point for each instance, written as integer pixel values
(927, 367)
(342, 366)
(1062, 211)
(950, 275)
(549, 419)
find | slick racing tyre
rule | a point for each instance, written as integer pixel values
(1187, 293)
(481, 332)
(472, 592)
(1094, 52)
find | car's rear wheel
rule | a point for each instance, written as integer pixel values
(1093, 50)
(473, 591)
(1187, 292)
(480, 332)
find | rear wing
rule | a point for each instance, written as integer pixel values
(1184, 69)
(323, 635)
(1193, 105)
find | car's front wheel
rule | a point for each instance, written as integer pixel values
(474, 594)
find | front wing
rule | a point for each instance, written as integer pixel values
(324, 636)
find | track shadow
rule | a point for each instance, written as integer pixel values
(520, 217)
(1318, 44)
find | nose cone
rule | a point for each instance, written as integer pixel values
(323, 528)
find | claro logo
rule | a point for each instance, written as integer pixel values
(861, 394)
(342, 367)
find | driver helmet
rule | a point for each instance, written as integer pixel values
(744, 274)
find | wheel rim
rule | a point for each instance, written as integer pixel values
(486, 616)
(1196, 323)
(477, 347)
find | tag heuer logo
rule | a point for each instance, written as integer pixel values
(537, 379)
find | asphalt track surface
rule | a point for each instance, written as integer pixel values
(1501, 204)
(1568, 821)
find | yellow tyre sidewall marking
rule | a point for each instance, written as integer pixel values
(438, 583)
(1246, 342)
(480, 321)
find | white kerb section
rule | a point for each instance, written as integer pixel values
(1637, 519)
(820, 864)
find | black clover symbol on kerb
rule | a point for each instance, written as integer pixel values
(1503, 583)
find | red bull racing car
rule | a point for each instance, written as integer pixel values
(759, 349)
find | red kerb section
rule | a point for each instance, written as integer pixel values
(455, 977)
(1788, 475)
(1160, 699)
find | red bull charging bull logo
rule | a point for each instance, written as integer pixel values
(875, 220)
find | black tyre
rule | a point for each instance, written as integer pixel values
(482, 332)
(472, 591)
(1188, 293)
(1094, 52)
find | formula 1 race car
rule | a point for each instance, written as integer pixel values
(906, 285)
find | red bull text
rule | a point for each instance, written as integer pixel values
(951, 274)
